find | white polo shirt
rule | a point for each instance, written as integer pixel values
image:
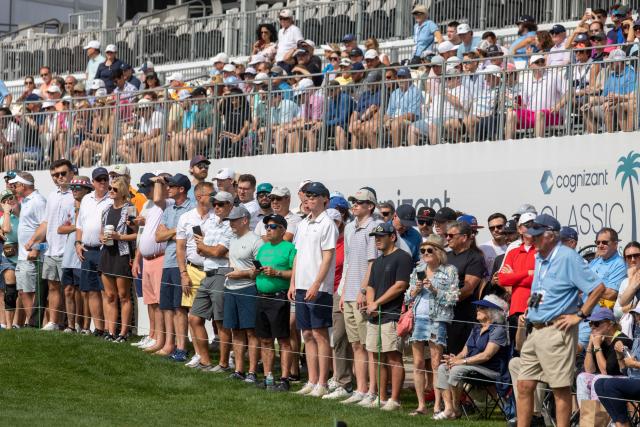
(90, 217)
(313, 237)
(148, 244)
(254, 209)
(292, 224)
(287, 40)
(184, 231)
(32, 214)
(58, 206)
(217, 233)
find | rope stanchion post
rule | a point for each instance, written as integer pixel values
(379, 352)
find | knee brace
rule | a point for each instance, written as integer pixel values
(10, 297)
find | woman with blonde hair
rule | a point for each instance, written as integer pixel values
(434, 292)
(118, 236)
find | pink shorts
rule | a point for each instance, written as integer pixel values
(151, 279)
(527, 118)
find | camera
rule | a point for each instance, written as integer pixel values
(535, 299)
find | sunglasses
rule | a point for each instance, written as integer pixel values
(9, 198)
(28, 83)
(44, 75)
(219, 204)
(272, 226)
(425, 222)
(335, 58)
(426, 251)
(59, 174)
(631, 256)
(496, 227)
(594, 324)
(262, 195)
(602, 242)
(451, 235)
(114, 189)
(76, 187)
(276, 198)
(202, 166)
(101, 179)
(310, 195)
(385, 213)
(360, 202)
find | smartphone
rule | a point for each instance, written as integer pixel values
(197, 230)
(257, 264)
(421, 275)
(589, 12)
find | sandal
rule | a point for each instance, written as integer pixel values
(417, 412)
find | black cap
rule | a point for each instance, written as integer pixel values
(494, 50)
(426, 212)
(598, 36)
(356, 51)
(179, 180)
(558, 29)
(125, 66)
(316, 188)
(407, 215)
(510, 227)
(581, 38)
(445, 214)
(199, 91)
(384, 229)
(199, 159)
(526, 18)
(278, 219)
(97, 172)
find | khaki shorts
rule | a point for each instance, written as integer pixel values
(390, 340)
(196, 276)
(355, 323)
(52, 268)
(549, 354)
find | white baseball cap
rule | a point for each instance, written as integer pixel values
(261, 78)
(454, 61)
(54, 89)
(93, 44)
(177, 76)
(526, 217)
(111, 48)
(96, 84)
(463, 29)
(120, 169)
(447, 46)
(221, 57)
(101, 92)
(371, 54)
(493, 70)
(48, 104)
(184, 94)
(229, 68)
(617, 55)
(225, 173)
(535, 58)
(310, 43)
(303, 85)
(285, 13)
(250, 70)
(257, 59)
(334, 214)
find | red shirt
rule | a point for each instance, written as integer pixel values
(339, 262)
(521, 262)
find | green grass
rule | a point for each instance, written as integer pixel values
(57, 379)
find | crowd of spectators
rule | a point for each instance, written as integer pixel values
(523, 310)
(289, 96)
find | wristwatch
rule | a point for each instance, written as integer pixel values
(363, 291)
(581, 315)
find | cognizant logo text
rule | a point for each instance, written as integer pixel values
(573, 181)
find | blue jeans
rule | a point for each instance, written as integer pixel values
(617, 388)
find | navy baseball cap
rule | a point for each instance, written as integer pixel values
(145, 180)
(581, 38)
(525, 18)
(317, 188)
(600, 313)
(384, 229)
(357, 66)
(98, 172)
(199, 159)
(542, 223)
(32, 98)
(568, 233)
(558, 29)
(348, 38)
(356, 51)
(403, 72)
(407, 215)
(278, 219)
(125, 66)
(179, 180)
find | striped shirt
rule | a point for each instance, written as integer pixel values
(360, 250)
(217, 233)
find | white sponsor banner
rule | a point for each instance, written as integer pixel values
(587, 182)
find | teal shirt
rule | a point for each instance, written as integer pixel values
(12, 238)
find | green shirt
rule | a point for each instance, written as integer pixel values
(278, 257)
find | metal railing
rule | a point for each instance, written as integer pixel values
(234, 33)
(378, 111)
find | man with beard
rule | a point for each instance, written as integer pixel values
(199, 169)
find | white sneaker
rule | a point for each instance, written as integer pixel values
(356, 397)
(375, 404)
(140, 343)
(308, 388)
(391, 405)
(338, 393)
(78, 328)
(332, 384)
(319, 391)
(195, 361)
(366, 401)
(150, 343)
(50, 327)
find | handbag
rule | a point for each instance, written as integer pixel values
(593, 414)
(406, 320)
(10, 249)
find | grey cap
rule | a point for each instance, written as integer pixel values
(237, 213)
(223, 196)
(526, 208)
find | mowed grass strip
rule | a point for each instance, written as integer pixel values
(50, 378)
